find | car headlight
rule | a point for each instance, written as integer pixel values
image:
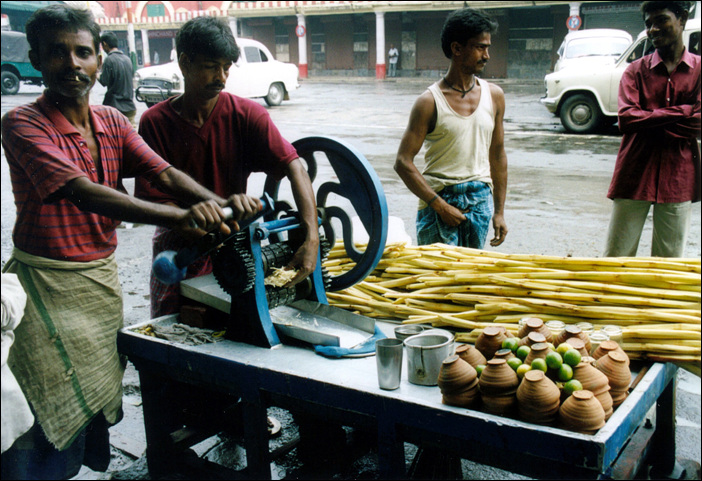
(136, 80)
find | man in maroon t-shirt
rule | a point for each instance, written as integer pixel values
(219, 139)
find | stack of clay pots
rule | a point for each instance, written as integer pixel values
(595, 381)
(458, 382)
(615, 366)
(540, 349)
(470, 354)
(498, 385)
(490, 340)
(538, 398)
(571, 331)
(532, 338)
(582, 412)
(608, 346)
(535, 324)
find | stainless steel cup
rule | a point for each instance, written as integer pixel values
(388, 356)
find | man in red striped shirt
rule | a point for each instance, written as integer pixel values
(67, 160)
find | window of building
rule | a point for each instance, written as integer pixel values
(282, 44)
(319, 55)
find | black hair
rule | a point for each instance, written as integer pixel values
(464, 24)
(208, 36)
(678, 8)
(60, 17)
(109, 39)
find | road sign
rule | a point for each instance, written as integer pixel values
(574, 22)
(300, 30)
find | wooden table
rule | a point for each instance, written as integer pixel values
(346, 389)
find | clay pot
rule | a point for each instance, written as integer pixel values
(618, 398)
(614, 366)
(535, 324)
(538, 398)
(595, 381)
(503, 354)
(455, 374)
(572, 330)
(539, 349)
(609, 346)
(579, 345)
(458, 382)
(498, 388)
(490, 340)
(582, 412)
(532, 338)
(470, 354)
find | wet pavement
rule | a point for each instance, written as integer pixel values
(556, 205)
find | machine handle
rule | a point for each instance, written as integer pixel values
(170, 266)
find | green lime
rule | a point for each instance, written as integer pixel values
(572, 357)
(523, 352)
(511, 343)
(565, 373)
(539, 363)
(479, 369)
(554, 360)
(571, 386)
(514, 362)
(563, 348)
(522, 369)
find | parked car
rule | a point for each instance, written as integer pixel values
(255, 75)
(585, 99)
(593, 47)
(16, 66)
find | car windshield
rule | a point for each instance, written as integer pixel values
(589, 47)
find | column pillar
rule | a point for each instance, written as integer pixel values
(301, 32)
(145, 47)
(233, 24)
(379, 45)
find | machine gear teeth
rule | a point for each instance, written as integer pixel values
(234, 267)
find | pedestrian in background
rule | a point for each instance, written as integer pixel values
(460, 117)
(67, 160)
(117, 75)
(393, 55)
(659, 158)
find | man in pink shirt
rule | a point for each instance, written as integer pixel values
(659, 159)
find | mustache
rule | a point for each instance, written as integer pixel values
(77, 75)
(215, 85)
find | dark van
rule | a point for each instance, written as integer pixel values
(16, 67)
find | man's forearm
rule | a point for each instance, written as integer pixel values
(182, 186)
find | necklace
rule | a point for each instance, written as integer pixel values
(463, 92)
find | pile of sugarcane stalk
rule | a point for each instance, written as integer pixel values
(656, 301)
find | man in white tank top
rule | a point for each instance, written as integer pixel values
(460, 118)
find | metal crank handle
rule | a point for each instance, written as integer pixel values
(170, 266)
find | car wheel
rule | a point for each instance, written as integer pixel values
(276, 92)
(150, 104)
(10, 83)
(580, 114)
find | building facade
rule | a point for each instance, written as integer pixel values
(351, 38)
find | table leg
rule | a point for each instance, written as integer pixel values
(391, 451)
(161, 417)
(256, 440)
(665, 464)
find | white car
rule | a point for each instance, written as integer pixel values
(594, 46)
(586, 99)
(255, 75)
